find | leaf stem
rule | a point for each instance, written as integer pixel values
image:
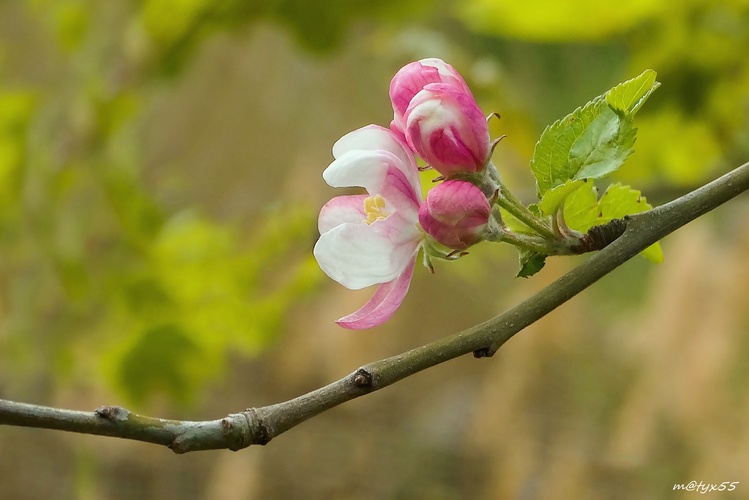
(499, 234)
(519, 211)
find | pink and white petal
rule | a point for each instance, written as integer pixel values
(448, 129)
(377, 138)
(447, 74)
(407, 82)
(361, 255)
(367, 137)
(400, 196)
(340, 210)
(386, 300)
(359, 168)
(461, 109)
(379, 172)
(397, 127)
(413, 77)
(372, 137)
(403, 235)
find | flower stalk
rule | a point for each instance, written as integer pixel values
(507, 200)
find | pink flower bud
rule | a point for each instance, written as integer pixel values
(413, 77)
(455, 214)
(445, 126)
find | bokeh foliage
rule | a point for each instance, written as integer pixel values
(160, 296)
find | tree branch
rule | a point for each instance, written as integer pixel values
(260, 425)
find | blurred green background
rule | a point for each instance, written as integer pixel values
(160, 168)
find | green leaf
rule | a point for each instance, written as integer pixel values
(594, 140)
(582, 209)
(530, 263)
(555, 196)
(628, 97)
(602, 147)
(581, 206)
(591, 142)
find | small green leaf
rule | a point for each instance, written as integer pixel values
(619, 201)
(602, 147)
(530, 263)
(555, 196)
(582, 210)
(594, 140)
(551, 155)
(654, 253)
(615, 203)
(628, 97)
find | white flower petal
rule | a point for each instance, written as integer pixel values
(361, 168)
(361, 255)
(378, 172)
(373, 138)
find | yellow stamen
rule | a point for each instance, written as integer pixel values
(374, 207)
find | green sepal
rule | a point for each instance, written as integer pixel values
(530, 263)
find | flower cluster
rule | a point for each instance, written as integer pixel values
(374, 238)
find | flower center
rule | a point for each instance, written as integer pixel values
(374, 207)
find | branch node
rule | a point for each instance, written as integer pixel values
(258, 431)
(485, 352)
(112, 413)
(227, 427)
(599, 237)
(237, 430)
(362, 378)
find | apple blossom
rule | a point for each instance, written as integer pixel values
(445, 126)
(455, 214)
(371, 239)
